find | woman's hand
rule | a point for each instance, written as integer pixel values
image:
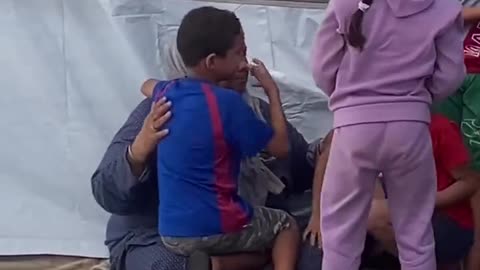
(151, 133)
(261, 73)
(312, 232)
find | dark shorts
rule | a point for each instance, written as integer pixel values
(452, 242)
(257, 236)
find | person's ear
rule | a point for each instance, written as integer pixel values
(210, 61)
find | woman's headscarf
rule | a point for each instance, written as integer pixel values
(174, 67)
(255, 179)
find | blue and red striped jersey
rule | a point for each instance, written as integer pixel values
(211, 130)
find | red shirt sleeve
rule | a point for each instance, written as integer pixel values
(448, 147)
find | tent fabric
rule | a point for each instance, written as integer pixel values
(70, 74)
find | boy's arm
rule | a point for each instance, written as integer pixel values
(471, 14)
(279, 144)
(327, 52)
(148, 87)
(449, 71)
(463, 189)
(245, 133)
(453, 155)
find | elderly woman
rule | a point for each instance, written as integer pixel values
(125, 185)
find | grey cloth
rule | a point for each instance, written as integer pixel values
(256, 180)
(296, 171)
(131, 236)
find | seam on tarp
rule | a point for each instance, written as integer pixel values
(313, 4)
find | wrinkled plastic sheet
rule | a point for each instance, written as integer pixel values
(70, 74)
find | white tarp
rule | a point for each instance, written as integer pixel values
(70, 72)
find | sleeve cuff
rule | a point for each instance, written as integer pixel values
(129, 173)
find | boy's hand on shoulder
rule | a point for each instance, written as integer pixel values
(261, 73)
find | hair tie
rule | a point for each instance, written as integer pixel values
(362, 6)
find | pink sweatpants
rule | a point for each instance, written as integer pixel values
(402, 151)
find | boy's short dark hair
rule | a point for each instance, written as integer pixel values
(204, 31)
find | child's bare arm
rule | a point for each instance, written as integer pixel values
(148, 86)
(279, 144)
(320, 169)
(312, 231)
(471, 14)
(466, 186)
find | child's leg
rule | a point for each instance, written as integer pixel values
(347, 194)
(411, 184)
(380, 226)
(245, 261)
(269, 229)
(285, 248)
(277, 230)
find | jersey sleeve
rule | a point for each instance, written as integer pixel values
(449, 148)
(247, 134)
(160, 89)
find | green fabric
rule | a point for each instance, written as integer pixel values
(464, 109)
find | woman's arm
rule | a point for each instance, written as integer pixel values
(126, 171)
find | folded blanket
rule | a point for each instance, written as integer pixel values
(256, 181)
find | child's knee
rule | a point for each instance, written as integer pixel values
(292, 224)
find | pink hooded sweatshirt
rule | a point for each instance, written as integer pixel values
(413, 54)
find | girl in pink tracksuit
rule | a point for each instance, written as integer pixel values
(382, 62)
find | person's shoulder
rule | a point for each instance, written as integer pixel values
(442, 127)
(225, 95)
(140, 112)
(447, 12)
(454, 5)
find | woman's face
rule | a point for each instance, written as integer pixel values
(239, 81)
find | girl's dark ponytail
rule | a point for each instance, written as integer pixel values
(355, 36)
